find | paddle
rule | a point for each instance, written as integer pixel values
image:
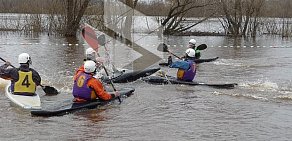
(163, 47)
(101, 41)
(89, 36)
(93, 41)
(197, 61)
(201, 47)
(47, 89)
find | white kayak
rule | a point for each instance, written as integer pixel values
(25, 102)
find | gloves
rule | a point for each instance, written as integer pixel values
(100, 60)
(7, 63)
(117, 94)
(169, 60)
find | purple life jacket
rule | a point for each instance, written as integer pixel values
(80, 88)
(190, 74)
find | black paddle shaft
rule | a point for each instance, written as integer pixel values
(90, 37)
(111, 82)
(163, 47)
(6, 61)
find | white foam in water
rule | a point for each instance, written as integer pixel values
(256, 97)
(261, 85)
(287, 97)
(66, 89)
(227, 62)
(3, 82)
(286, 94)
(217, 93)
(220, 93)
(250, 96)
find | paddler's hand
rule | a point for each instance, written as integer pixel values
(7, 63)
(117, 94)
(100, 60)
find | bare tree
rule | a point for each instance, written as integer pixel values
(119, 16)
(177, 13)
(286, 25)
(75, 11)
(256, 12)
(237, 16)
(129, 19)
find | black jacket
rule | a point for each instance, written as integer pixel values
(12, 73)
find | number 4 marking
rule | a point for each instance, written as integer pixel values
(25, 82)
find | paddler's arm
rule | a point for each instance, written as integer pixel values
(4, 66)
(80, 69)
(99, 90)
(198, 54)
(36, 77)
(4, 72)
(180, 64)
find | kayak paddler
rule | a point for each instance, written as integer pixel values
(187, 67)
(87, 88)
(23, 79)
(90, 54)
(192, 44)
(197, 60)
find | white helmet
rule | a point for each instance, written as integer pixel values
(90, 54)
(89, 66)
(24, 58)
(191, 52)
(89, 51)
(193, 41)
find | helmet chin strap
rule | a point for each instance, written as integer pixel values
(94, 72)
(188, 57)
(192, 46)
(29, 62)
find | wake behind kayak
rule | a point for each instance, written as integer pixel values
(71, 107)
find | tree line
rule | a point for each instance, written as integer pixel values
(271, 8)
(237, 17)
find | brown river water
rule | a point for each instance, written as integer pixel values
(259, 108)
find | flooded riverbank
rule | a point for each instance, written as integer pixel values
(258, 109)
